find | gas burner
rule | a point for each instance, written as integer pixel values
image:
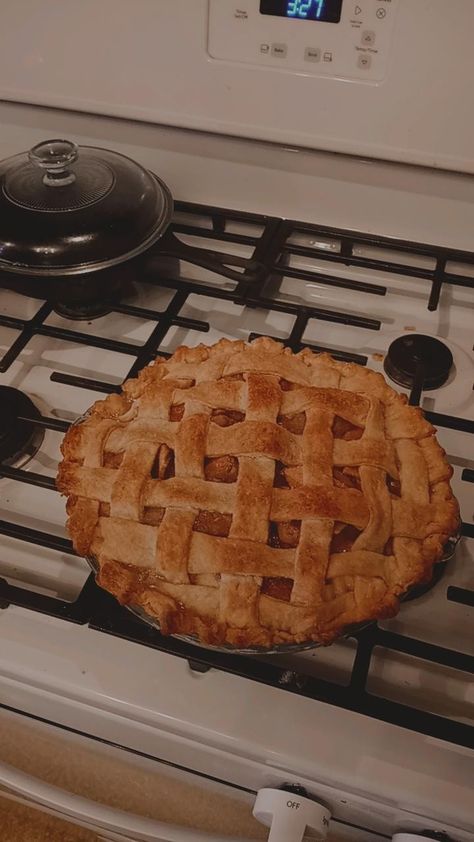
(20, 438)
(416, 359)
(86, 297)
(82, 312)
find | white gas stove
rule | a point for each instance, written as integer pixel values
(339, 253)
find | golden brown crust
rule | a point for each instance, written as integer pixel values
(186, 486)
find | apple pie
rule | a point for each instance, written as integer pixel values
(246, 495)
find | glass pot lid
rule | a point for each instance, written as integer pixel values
(67, 209)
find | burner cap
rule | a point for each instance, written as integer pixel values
(408, 352)
(90, 296)
(19, 439)
(82, 312)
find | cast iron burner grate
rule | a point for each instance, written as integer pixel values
(270, 251)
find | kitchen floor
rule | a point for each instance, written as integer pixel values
(21, 824)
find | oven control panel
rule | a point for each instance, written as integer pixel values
(348, 39)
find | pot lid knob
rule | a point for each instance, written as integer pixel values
(55, 157)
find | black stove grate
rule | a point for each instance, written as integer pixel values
(252, 277)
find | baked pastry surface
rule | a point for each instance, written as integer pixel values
(250, 496)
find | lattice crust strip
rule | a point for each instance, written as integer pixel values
(251, 496)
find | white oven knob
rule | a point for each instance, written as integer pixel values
(290, 815)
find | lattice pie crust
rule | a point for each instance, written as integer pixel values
(251, 496)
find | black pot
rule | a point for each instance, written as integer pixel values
(74, 222)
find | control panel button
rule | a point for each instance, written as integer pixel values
(279, 50)
(357, 10)
(381, 13)
(264, 48)
(368, 38)
(364, 61)
(327, 56)
(312, 54)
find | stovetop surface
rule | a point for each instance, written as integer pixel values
(348, 293)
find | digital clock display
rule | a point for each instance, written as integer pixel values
(322, 10)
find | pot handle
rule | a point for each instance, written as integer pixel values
(172, 246)
(55, 157)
